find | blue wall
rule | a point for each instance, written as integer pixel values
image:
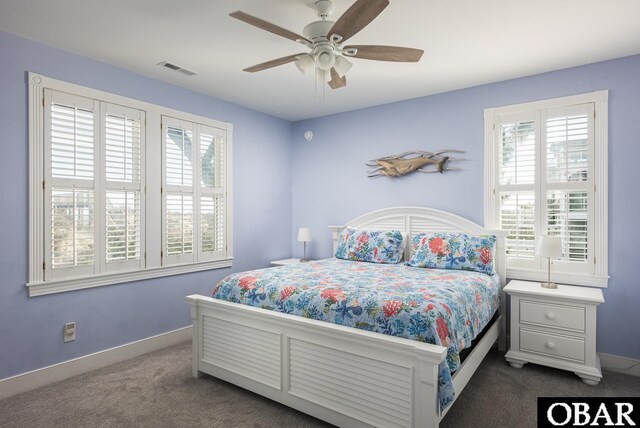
(331, 185)
(31, 328)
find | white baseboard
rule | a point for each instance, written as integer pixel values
(618, 364)
(57, 372)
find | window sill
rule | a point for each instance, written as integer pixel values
(61, 285)
(587, 280)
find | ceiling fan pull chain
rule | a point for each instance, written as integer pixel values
(323, 90)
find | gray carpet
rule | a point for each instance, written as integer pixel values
(157, 390)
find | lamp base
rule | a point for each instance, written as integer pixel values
(548, 285)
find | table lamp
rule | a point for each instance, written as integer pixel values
(551, 248)
(304, 236)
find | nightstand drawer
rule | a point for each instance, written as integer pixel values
(550, 344)
(557, 316)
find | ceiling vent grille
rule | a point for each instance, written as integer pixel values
(177, 68)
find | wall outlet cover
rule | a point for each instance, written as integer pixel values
(69, 332)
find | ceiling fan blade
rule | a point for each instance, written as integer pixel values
(358, 16)
(337, 81)
(273, 63)
(267, 26)
(387, 53)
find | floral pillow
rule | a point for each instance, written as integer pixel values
(447, 250)
(374, 246)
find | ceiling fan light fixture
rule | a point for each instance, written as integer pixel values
(325, 57)
(342, 65)
(305, 63)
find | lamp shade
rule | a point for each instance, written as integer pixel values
(549, 246)
(342, 66)
(304, 234)
(305, 62)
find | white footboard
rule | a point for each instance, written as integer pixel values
(345, 376)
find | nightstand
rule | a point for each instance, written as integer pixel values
(285, 262)
(555, 328)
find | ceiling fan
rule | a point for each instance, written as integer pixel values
(325, 40)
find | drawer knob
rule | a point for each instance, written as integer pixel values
(550, 345)
(550, 316)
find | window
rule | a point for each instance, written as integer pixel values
(124, 187)
(194, 191)
(546, 174)
(122, 190)
(92, 156)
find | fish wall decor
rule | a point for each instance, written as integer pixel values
(408, 162)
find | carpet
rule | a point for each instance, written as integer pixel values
(157, 390)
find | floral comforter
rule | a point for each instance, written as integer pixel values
(443, 307)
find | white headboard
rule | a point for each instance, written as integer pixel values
(415, 220)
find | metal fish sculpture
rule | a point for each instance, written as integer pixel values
(408, 162)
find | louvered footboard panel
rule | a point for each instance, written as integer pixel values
(247, 351)
(375, 392)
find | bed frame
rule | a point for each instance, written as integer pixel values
(312, 366)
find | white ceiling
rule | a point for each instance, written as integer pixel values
(466, 43)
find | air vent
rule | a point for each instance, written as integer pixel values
(177, 68)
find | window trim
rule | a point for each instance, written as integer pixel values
(600, 99)
(36, 284)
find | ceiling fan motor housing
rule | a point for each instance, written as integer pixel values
(317, 30)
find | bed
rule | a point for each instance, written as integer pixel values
(344, 375)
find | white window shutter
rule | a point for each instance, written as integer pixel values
(517, 215)
(72, 227)
(568, 147)
(123, 137)
(568, 164)
(517, 141)
(211, 142)
(517, 138)
(70, 168)
(544, 178)
(72, 139)
(179, 192)
(567, 217)
(195, 200)
(123, 226)
(179, 224)
(124, 185)
(95, 191)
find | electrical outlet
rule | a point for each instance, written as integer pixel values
(70, 332)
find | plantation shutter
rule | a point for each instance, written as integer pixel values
(71, 167)
(124, 198)
(568, 186)
(179, 193)
(211, 142)
(194, 191)
(103, 209)
(516, 185)
(544, 184)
